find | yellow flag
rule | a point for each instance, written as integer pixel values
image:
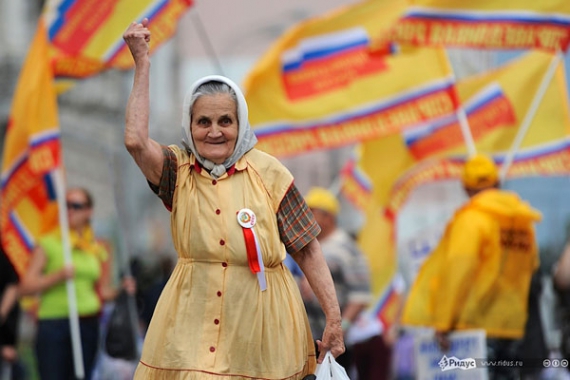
(31, 151)
(544, 148)
(496, 103)
(86, 37)
(325, 85)
(485, 24)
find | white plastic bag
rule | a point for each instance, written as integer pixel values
(329, 369)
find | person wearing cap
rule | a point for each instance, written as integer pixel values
(231, 309)
(350, 272)
(479, 275)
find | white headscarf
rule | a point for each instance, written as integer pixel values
(245, 140)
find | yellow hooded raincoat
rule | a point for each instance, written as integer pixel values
(479, 275)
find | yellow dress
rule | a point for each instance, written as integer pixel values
(212, 321)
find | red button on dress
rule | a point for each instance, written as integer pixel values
(216, 321)
(212, 349)
(214, 182)
(222, 242)
(219, 294)
(218, 211)
(224, 264)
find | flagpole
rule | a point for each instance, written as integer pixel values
(70, 284)
(462, 118)
(205, 39)
(336, 185)
(465, 130)
(525, 125)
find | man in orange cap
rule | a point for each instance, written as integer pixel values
(479, 275)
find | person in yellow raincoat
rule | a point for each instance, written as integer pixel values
(478, 277)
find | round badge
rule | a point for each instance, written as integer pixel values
(246, 218)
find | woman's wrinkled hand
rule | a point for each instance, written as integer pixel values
(137, 38)
(333, 341)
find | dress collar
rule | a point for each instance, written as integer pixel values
(240, 165)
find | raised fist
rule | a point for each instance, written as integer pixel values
(137, 38)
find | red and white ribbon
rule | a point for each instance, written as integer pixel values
(246, 219)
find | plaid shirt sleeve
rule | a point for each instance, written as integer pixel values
(165, 189)
(297, 225)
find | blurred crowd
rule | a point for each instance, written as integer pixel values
(375, 350)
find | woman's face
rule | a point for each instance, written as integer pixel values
(78, 210)
(214, 126)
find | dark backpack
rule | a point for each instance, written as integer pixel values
(120, 338)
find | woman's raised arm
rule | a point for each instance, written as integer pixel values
(146, 152)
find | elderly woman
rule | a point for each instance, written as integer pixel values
(231, 309)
